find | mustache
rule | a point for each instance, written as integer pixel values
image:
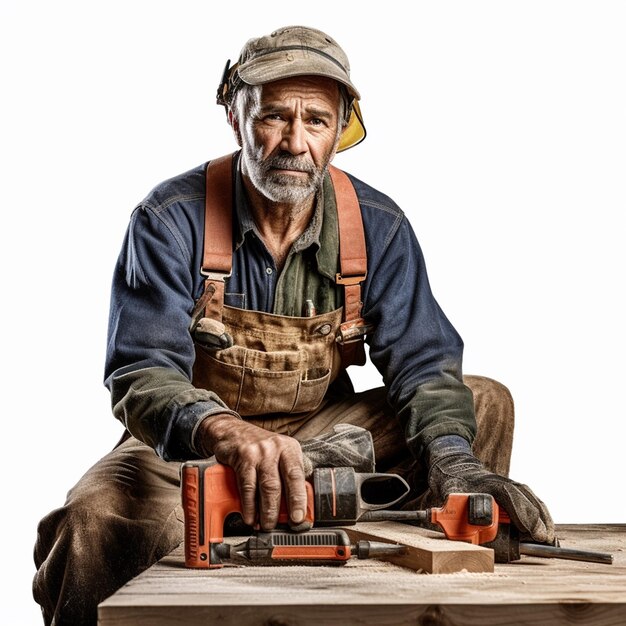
(289, 162)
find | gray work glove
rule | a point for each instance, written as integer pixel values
(345, 446)
(454, 469)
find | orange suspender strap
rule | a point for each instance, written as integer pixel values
(352, 268)
(218, 252)
(217, 259)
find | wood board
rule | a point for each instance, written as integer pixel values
(532, 591)
(427, 552)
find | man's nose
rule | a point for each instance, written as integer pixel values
(294, 140)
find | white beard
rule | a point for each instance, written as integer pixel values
(279, 187)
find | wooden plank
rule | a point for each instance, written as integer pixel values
(428, 551)
(533, 591)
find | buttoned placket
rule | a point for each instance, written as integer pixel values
(273, 278)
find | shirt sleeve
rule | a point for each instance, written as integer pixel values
(414, 346)
(150, 351)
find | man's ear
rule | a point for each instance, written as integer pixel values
(334, 150)
(232, 120)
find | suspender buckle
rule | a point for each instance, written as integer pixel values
(218, 276)
(349, 280)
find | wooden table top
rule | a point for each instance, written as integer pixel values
(531, 591)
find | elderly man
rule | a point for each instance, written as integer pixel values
(244, 289)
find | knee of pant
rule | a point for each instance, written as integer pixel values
(500, 393)
(489, 391)
(97, 518)
(80, 535)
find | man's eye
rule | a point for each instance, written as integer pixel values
(316, 121)
(273, 116)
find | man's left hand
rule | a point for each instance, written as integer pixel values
(454, 469)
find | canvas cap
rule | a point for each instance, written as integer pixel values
(294, 51)
(301, 51)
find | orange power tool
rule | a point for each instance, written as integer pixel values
(335, 497)
(476, 518)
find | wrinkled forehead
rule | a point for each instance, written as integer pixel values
(307, 90)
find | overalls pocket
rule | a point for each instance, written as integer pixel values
(254, 382)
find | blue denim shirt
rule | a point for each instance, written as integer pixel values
(157, 279)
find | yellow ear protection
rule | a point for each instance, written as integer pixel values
(353, 134)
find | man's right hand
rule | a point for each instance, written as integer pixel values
(263, 461)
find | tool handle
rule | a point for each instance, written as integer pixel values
(209, 495)
(313, 546)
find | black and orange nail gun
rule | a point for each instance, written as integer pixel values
(335, 497)
(340, 497)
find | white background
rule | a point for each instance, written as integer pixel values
(499, 127)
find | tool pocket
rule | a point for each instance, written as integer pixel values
(254, 382)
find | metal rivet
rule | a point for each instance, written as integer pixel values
(268, 270)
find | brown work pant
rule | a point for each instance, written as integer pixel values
(124, 514)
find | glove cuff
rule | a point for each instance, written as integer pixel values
(444, 446)
(345, 446)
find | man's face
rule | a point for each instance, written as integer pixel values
(289, 136)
